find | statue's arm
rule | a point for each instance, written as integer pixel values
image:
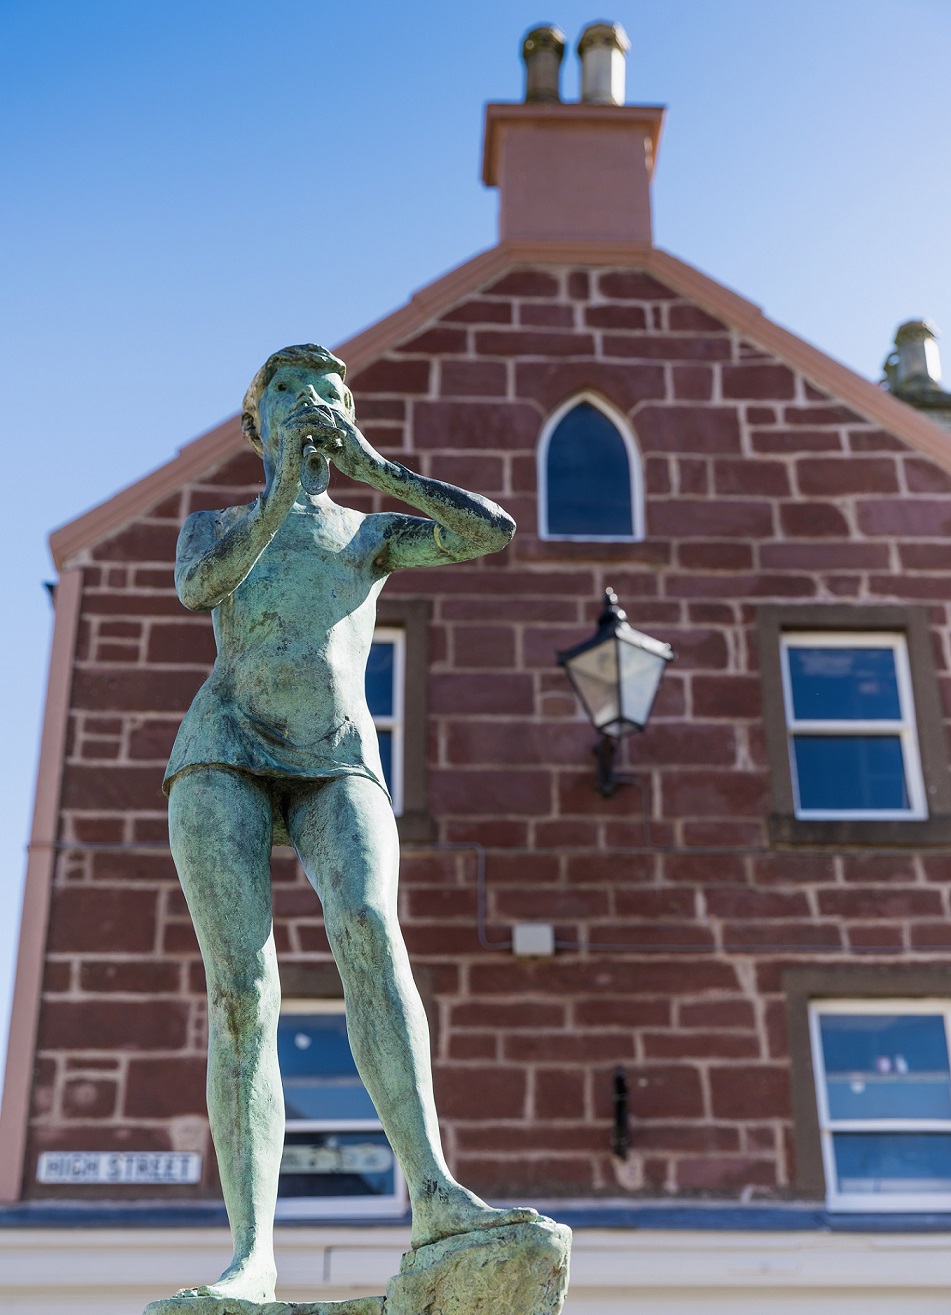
(457, 525)
(216, 551)
(461, 525)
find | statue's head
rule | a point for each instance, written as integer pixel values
(319, 359)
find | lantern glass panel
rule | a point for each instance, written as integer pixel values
(641, 673)
(595, 674)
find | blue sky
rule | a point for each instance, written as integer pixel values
(186, 186)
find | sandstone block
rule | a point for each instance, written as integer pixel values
(518, 1267)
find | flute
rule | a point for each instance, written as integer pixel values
(312, 467)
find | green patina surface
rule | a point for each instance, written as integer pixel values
(236, 1306)
(518, 1269)
(279, 744)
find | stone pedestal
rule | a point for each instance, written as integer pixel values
(516, 1269)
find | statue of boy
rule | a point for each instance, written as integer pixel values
(279, 744)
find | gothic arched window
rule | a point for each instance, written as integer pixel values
(589, 474)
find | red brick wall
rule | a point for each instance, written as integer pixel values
(759, 488)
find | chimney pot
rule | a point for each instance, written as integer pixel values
(913, 371)
(603, 49)
(916, 361)
(543, 50)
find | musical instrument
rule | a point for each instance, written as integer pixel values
(312, 467)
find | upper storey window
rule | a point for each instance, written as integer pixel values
(589, 475)
(852, 728)
(854, 725)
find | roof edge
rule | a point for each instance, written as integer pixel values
(824, 371)
(843, 383)
(92, 526)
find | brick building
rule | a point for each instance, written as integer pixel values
(750, 937)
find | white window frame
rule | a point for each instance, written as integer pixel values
(396, 722)
(906, 728)
(338, 1207)
(634, 466)
(871, 1202)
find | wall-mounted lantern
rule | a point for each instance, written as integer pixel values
(616, 674)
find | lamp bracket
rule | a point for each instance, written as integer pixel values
(605, 750)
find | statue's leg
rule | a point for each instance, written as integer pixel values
(345, 834)
(220, 827)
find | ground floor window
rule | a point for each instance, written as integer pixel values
(385, 684)
(883, 1091)
(337, 1162)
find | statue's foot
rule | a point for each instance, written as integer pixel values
(246, 1279)
(451, 1209)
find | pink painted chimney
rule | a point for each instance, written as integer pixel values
(576, 172)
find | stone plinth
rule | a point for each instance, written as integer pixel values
(519, 1269)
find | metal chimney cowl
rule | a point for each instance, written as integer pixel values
(916, 351)
(602, 48)
(912, 371)
(543, 50)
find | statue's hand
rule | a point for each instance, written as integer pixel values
(351, 453)
(283, 484)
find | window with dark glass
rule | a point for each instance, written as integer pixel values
(337, 1161)
(850, 717)
(385, 679)
(883, 1088)
(589, 488)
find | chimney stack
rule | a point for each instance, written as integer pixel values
(573, 172)
(543, 50)
(602, 49)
